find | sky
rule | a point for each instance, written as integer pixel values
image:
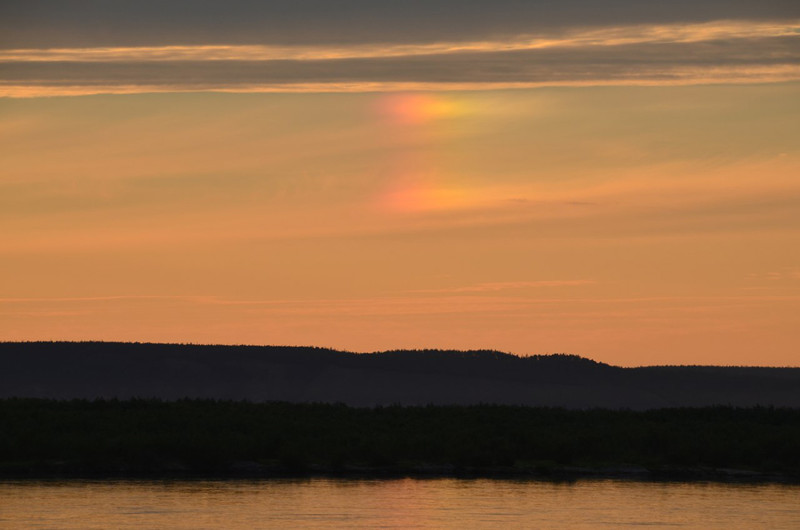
(615, 179)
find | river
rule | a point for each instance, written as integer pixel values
(395, 503)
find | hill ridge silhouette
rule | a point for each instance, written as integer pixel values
(92, 369)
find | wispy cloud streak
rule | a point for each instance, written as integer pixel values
(506, 286)
(640, 34)
(666, 54)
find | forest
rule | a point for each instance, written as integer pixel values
(148, 437)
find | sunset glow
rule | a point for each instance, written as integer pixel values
(624, 188)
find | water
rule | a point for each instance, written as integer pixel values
(402, 503)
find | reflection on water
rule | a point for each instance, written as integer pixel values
(402, 503)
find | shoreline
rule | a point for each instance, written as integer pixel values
(253, 471)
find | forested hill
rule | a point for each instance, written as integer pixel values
(65, 370)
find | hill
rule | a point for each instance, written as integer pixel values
(88, 370)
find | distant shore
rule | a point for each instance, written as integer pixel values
(153, 439)
(248, 471)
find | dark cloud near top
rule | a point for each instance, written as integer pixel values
(656, 61)
(94, 23)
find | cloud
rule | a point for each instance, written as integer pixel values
(89, 23)
(787, 273)
(768, 60)
(613, 36)
(576, 309)
(505, 286)
(563, 54)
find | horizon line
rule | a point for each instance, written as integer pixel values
(394, 350)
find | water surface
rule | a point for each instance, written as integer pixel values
(401, 503)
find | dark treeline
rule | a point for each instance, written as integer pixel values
(141, 437)
(89, 370)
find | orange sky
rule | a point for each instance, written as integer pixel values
(632, 224)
